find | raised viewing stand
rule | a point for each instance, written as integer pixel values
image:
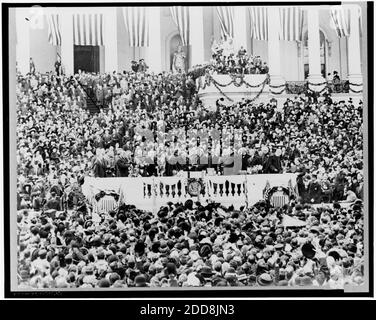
(231, 88)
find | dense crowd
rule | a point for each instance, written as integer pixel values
(227, 61)
(192, 244)
(155, 125)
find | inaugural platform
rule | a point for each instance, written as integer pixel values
(180, 146)
(232, 89)
(154, 192)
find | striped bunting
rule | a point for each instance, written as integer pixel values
(259, 22)
(137, 24)
(180, 15)
(226, 19)
(54, 33)
(341, 20)
(88, 29)
(291, 19)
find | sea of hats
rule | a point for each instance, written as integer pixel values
(59, 143)
(192, 244)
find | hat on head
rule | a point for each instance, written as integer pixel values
(265, 279)
(206, 272)
(104, 283)
(140, 281)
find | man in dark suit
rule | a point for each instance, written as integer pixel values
(134, 66)
(58, 68)
(314, 190)
(142, 66)
(272, 164)
(32, 66)
(54, 202)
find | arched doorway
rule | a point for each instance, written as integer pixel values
(323, 55)
(172, 45)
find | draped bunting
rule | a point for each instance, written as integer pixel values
(88, 29)
(226, 19)
(180, 15)
(341, 20)
(291, 20)
(137, 23)
(54, 33)
(259, 22)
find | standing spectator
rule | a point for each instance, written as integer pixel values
(31, 66)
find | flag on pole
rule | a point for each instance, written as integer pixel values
(341, 20)
(54, 33)
(88, 29)
(291, 20)
(180, 15)
(137, 24)
(226, 20)
(259, 22)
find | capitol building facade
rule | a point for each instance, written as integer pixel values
(309, 45)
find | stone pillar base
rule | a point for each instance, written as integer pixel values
(316, 82)
(356, 84)
(277, 85)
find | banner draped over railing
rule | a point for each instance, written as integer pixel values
(259, 22)
(88, 29)
(180, 15)
(150, 193)
(137, 23)
(226, 20)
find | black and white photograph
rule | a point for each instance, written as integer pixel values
(171, 147)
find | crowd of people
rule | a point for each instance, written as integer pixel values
(155, 125)
(225, 60)
(192, 245)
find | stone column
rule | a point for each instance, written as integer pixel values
(154, 51)
(314, 76)
(111, 44)
(274, 53)
(240, 27)
(353, 54)
(196, 24)
(23, 40)
(67, 48)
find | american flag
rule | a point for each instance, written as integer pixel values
(226, 19)
(137, 24)
(292, 20)
(341, 20)
(88, 29)
(259, 22)
(54, 34)
(180, 15)
(279, 199)
(104, 205)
